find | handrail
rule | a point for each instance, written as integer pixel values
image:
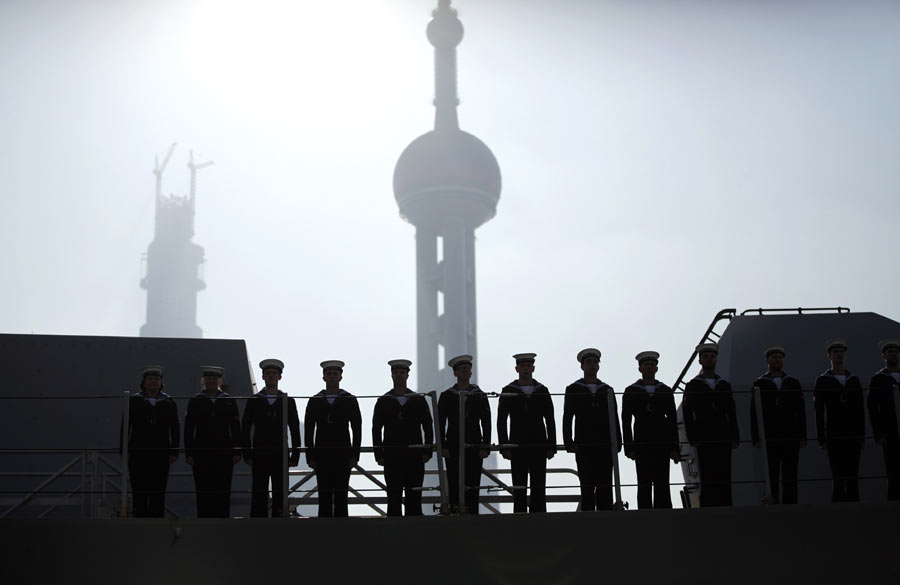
(798, 310)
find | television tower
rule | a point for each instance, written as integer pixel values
(172, 278)
(447, 183)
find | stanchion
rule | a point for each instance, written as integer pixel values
(761, 432)
(442, 474)
(897, 405)
(461, 484)
(284, 454)
(123, 511)
(614, 448)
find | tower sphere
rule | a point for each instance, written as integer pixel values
(444, 29)
(447, 173)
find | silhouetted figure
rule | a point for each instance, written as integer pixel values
(654, 440)
(587, 405)
(883, 413)
(840, 422)
(400, 421)
(784, 415)
(331, 416)
(710, 421)
(532, 430)
(262, 429)
(153, 435)
(212, 444)
(477, 433)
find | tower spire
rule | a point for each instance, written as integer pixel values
(447, 183)
(445, 32)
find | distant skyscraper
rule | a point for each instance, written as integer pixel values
(447, 183)
(172, 277)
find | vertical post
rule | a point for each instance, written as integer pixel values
(439, 452)
(84, 483)
(98, 485)
(123, 512)
(284, 454)
(761, 425)
(614, 447)
(896, 389)
(461, 484)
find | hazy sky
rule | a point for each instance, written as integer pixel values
(661, 161)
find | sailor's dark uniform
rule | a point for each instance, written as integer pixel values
(477, 437)
(262, 441)
(532, 428)
(328, 425)
(784, 413)
(652, 441)
(710, 421)
(883, 416)
(212, 437)
(591, 441)
(841, 424)
(398, 422)
(153, 436)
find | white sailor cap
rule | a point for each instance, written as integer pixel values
(886, 344)
(590, 351)
(708, 347)
(272, 364)
(151, 371)
(212, 371)
(460, 360)
(647, 355)
(332, 365)
(770, 349)
(835, 343)
(400, 364)
(524, 357)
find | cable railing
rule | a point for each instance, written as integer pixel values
(101, 479)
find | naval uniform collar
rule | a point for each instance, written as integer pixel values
(717, 378)
(143, 394)
(534, 383)
(600, 383)
(641, 384)
(221, 394)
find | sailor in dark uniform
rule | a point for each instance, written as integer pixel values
(883, 413)
(710, 422)
(532, 430)
(587, 404)
(212, 444)
(400, 420)
(331, 416)
(654, 440)
(840, 422)
(784, 414)
(263, 436)
(477, 421)
(153, 435)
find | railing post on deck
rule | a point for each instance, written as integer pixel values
(123, 512)
(614, 447)
(439, 453)
(897, 406)
(284, 455)
(761, 432)
(461, 462)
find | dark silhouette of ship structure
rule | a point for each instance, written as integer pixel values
(64, 498)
